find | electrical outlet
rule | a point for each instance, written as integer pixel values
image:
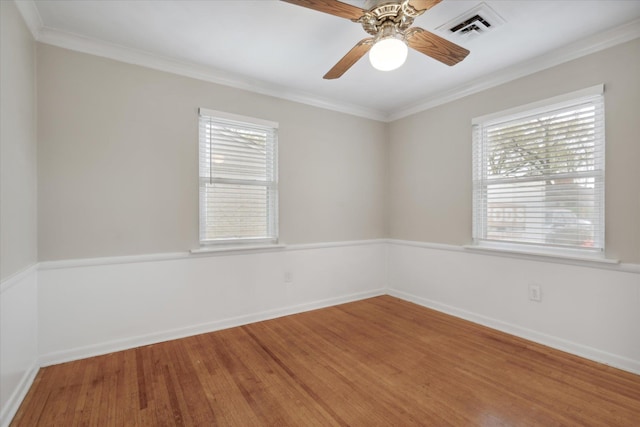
(288, 277)
(535, 293)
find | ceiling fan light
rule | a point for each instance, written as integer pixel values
(388, 54)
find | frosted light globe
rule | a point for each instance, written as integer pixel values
(388, 54)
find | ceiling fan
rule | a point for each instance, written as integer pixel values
(390, 25)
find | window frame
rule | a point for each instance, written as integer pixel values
(480, 181)
(270, 183)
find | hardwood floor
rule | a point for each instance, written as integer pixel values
(377, 362)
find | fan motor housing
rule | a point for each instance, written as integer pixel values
(400, 14)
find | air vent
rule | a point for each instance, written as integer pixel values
(471, 24)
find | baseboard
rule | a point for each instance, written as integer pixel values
(587, 352)
(133, 342)
(11, 408)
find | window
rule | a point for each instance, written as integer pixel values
(538, 175)
(238, 179)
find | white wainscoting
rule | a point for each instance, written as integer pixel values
(18, 340)
(86, 308)
(590, 311)
(72, 309)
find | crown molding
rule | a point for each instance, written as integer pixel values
(91, 46)
(586, 46)
(31, 16)
(128, 55)
(589, 45)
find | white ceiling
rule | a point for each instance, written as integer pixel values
(282, 49)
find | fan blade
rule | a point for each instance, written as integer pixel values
(435, 46)
(423, 4)
(333, 7)
(349, 59)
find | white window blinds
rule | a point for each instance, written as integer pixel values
(538, 176)
(238, 178)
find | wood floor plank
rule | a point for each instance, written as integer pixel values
(377, 362)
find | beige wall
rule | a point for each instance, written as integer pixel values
(117, 170)
(18, 155)
(117, 158)
(430, 152)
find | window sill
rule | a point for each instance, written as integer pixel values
(542, 255)
(222, 249)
